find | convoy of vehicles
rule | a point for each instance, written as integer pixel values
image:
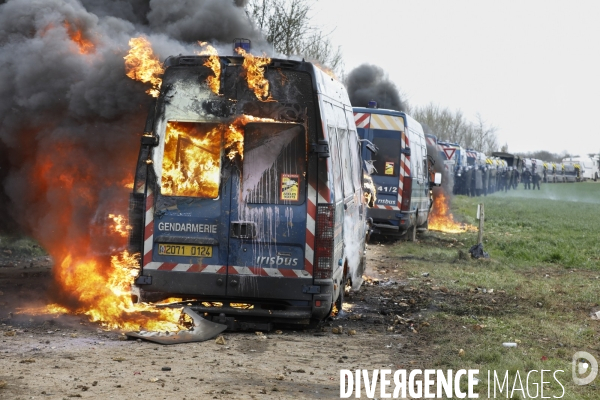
(249, 201)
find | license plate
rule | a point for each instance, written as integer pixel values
(184, 250)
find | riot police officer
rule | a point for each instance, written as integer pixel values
(526, 178)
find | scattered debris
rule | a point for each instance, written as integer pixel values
(203, 330)
(220, 340)
(509, 344)
(165, 369)
(119, 359)
(477, 251)
(27, 361)
(461, 353)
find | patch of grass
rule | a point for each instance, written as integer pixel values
(20, 246)
(541, 284)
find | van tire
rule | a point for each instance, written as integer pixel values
(339, 302)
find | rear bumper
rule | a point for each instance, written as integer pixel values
(391, 222)
(271, 297)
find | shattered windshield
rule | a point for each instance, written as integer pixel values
(274, 163)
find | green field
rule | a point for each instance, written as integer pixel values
(541, 284)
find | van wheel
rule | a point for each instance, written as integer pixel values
(595, 177)
(339, 302)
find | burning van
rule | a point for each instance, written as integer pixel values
(248, 199)
(401, 171)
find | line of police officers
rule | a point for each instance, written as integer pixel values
(475, 180)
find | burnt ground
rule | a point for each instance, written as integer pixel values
(385, 325)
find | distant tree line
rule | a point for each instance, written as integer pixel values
(452, 126)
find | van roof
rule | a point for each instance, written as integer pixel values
(410, 121)
(379, 111)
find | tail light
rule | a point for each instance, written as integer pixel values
(324, 241)
(406, 193)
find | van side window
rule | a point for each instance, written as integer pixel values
(335, 161)
(345, 160)
(355, 155)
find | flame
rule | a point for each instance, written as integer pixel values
(142, 65)
(192, 160)
(105, 297)
(328, 71)
(192, 156)
(255, 74)
(120, 225)
(441, 219)
(85, 46)
(213, 62)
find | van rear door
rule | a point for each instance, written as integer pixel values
(185, 250)
(268, 214)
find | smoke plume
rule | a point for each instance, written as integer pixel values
(71, 120)
(369, 82)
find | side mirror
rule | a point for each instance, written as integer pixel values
(405, 151)
(372, 148)
(437, 180)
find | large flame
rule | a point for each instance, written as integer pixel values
(255, 74)
(104, 295)
(213, 62)
(142, 65)
(192, 156)
(192, 159)
(441, 219)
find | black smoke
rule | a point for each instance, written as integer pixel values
(370, 82)
(71, 120)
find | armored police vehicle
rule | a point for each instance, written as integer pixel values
(401, 175)
(248, 199)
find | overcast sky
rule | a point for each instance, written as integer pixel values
(531, 67)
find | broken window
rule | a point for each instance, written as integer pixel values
(274, 164)
(192, 160)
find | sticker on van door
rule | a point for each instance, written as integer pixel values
(389, 168)
(289, 187)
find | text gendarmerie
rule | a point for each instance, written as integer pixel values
(181, 227)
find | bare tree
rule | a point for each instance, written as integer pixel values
(484, 136)
(286, 25)
(453, 127)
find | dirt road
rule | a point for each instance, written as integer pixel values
(48, 357)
